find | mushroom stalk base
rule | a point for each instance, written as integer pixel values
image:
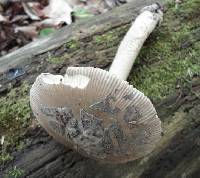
(134, 39)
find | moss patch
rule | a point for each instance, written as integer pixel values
(164, 59)
(109, 37)
(14, 117)
(15, 173)
(57, 60)
(188, 9)
(72, 44)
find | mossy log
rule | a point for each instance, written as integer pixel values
(93, 42)
(177, 154)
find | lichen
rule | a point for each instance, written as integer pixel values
(164, 59)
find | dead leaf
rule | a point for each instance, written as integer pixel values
(26, 20)
(18, 18)
(57, 12)
(1, 9)
(3, 19)
(30, 31)
(28, 8)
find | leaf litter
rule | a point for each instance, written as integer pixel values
(22, 21)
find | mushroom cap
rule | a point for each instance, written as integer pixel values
(95, 113)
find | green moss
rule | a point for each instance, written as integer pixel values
(14, 117)
(110, 36)
(107, 37)
(15, 173)
(55, 60)
(164, 59)
(5, 156)
(14, 107)
(188, 9)
(72, 44)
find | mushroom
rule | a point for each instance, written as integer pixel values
(97, 112)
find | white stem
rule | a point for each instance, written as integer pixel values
(133, 41)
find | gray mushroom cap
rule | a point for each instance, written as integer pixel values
(95, 113)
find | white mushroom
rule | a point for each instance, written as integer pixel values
(96, 112)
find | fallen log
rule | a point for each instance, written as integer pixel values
(94, 43)
(176, 155)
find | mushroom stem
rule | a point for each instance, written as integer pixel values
(133, 41)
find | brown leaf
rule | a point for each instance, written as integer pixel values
(3, 19)
(28, 8)
(30, 31)
(57, 12)
(19, 18)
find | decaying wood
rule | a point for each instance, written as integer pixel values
(177, 154)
